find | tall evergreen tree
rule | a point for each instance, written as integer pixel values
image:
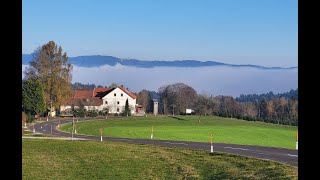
(263, 108)
(127, 111)
(33, 100)
(51, 67)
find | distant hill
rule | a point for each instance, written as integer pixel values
(97, 60)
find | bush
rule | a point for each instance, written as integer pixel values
(92, 113)
(125, 114)
(80, 112)
(30, 117)
(103, 112)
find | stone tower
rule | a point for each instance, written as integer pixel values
(155, 107)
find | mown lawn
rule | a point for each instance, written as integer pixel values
(188, 128)
(57, 159)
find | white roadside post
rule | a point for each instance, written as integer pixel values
(47, 118)
(297, 141)
(211, 144)
(59, 124)
(34, 130)
(101, 134)
(25, 124)
(75, 128)
(152, 133)
(72, 131)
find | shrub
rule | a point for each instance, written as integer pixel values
(92, 113)
(80, 112)
(30, 117)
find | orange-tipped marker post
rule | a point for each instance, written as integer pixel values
(152, 132)
(297, 140)
(211, 143)
(101, 134)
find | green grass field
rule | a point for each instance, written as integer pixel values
(187, 128)
(57, 159)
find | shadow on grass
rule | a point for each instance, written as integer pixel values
(178, 118)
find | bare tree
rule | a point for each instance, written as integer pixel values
(203, 105)
(144, 99)
(179, 95)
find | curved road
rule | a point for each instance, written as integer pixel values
(287, 156)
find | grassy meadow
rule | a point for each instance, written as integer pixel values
(56, 159)
(188, 128)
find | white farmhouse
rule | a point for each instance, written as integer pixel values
(113, 99)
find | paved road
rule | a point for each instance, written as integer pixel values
(268, 153)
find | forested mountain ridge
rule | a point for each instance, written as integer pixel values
(98, 60)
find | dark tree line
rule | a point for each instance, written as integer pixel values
(280, 109)
(292, 94)
(78, 85)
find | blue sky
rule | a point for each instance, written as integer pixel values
(261, 32)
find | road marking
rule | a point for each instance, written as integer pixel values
(236, 148)
(123, 139)
(293, 155)
(175, 143)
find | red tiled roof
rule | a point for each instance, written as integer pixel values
(92, 101)
(101, 92)
(82, 94)
(128, 92)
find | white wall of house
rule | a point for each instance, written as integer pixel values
(98, 108)
(63, 108)
(115, 101)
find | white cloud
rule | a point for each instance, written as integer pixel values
(212, 80)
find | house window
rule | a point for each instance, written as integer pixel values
(115, 94)
(106, 102)
(118, 102)
(121, 95)
(117, 109)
